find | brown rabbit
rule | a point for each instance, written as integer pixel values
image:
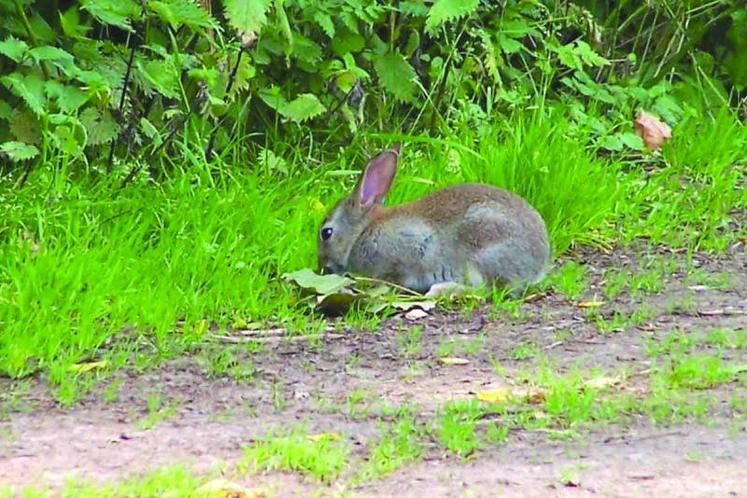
(471, 234)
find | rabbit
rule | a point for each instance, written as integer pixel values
(467, 234)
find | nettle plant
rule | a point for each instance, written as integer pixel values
(112, 84)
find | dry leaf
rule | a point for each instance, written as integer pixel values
(324, 436)
(222, 488)
(590, 304)
(453, 361)
(415, 314)
(602, 382)
(653, 131)
(89, 365)
(530, 394)
(499, 395)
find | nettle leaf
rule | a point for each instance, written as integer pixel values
(19, 151)
(247, 15)
(60, 58)
(444, 11)
(303, 107)
(70, 23)
(100, 126)
(30, 88)
(49, 53)
(68, 98)
(396, 75)
(324, 21)
(415, 8)
(182, 13)
(5, 110)
(25, 126)
(115, 12)
(13, 48)
(273, 98)
(162, 76)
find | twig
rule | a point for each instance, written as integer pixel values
(134, 171)
(125, 85)
(275, 338)
(229, 86)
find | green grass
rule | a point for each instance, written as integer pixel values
(323, 457)
(133, 276)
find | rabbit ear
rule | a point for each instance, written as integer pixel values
(378, 176)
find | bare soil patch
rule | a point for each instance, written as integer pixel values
(213, 418)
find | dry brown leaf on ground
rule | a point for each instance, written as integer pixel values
(593, 303)
(222, 488)
(653, 131)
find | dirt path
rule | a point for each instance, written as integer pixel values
(211, 418)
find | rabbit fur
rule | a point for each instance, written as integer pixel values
(472, 234)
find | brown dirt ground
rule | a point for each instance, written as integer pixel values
(214, 417)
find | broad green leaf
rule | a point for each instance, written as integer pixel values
(611, 142)
(19, 151)
(320, 284)
(303, 107)
(28, 87)
(13, 48)
(68, 98)
(631, 140)
(247, 15)
(182, 13)
(115, 12)
(396, 75)
(100, 126)
(447, 10)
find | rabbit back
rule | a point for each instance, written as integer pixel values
(469, 233)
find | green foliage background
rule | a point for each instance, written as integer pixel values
(111, 85)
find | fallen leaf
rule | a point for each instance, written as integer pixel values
(602, 382)
(337, 303)
(530, 394)
(222, 488)
(89, 365)
(448, 289)
(415, 315)
(653, 131)
(499, 395)
(453, 361)
(320, 284)
(324, 436)
(408, 305)
(590, 304)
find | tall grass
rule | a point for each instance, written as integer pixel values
(90, 271)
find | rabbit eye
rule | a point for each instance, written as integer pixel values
(326, 233)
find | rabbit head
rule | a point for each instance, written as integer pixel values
(347, 220)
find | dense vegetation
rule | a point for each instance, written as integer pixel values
(164, 162)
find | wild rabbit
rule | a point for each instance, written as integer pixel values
(470, 234)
